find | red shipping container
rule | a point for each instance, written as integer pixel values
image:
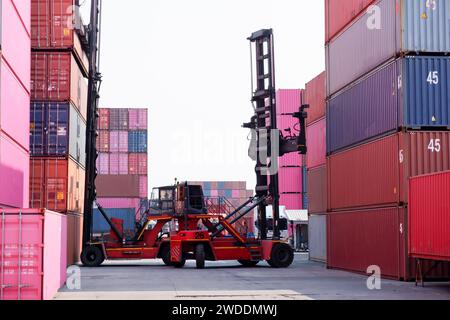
(114, 186)
(33, 255)
(316, 142)
(103, 120)
(137, 163)
(118, 164)
(429, 217)
(56, 184)
(315, 95)
(317, 190)
(138, 119)
(56, 76)
(376, 174)
(103, 141)
(339, 14)
(53, 26)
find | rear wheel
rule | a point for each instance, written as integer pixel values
(200, 256)
(92, 256)
(248, 263)
(165, 256)
(282, 256)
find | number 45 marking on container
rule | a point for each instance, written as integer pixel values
(433, 77)
(435, 145)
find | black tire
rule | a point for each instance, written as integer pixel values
(165, 255)
(282, 256)
(248, 263)
(180, 264)
(200, 256)
(92, 256)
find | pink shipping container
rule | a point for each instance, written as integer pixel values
(15, 41)
(119, 203)
(24, 10)
(103, 163)
(118, 164)
(316, 142)
(292, 201)
(14, 100)
(290, 179)
(138, 119)
(143, 187)
(289, 100)
(118, 141)
(14, 174)
(34, 254)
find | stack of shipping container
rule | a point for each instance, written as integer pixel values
(388, 116)
(58, 110)
(317, 169)
(291, 167)
(122, 165)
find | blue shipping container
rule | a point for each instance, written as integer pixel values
(411, 92)
(137, 141)
(99, 224)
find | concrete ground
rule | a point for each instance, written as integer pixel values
(304, 280)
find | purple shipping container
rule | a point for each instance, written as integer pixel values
(118, 141)
(137, 119)
(118, 164)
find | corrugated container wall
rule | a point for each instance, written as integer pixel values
(316, 142)
(118, 186)
(138, 119)
(127, 215)
(74, 238)
(377, 173)
(315, 94)
(137, 141)
(384, 32)
(118, 119)
(289, 100)
(317, 237)
(429, 217)
(402, 94)
(290, 179)
(317, 190)
(292, 201)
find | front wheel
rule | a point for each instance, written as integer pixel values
(92, 256)
(282, 256)
(248, 263)
(165, 255)
(200, 256)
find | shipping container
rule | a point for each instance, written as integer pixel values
(103, 163)
(429, 217)
(103, 141)
(143, 186)
(34, 254)
(74, 238)
(391, 28)
(119, 203)
(317, 190)
(138, 119)
(292, 201)
(56, 184)
(118, 119)
(14, 100)
(376, 174)
(118, 141)
(316, 143)
(315, 94)
(138, 163)
(15, 39)
(56, 76)
(398, 95)
(99, 224)
(103, 119)
(118, 163)
(289, 100)
(57, 129)
(375, 237)
(54, 25)
(14, 173)
(124, 186)
(317, 238)
(290, 179)
(339, 14)
(137, 141)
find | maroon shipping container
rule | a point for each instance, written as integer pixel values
(317, 190)
(376, 174)
(315, 95)
(429, 217)
(316, 142)
(340, 13)
(109, 186)
(56, 76)
(137, 163)
(53, 25)
(359, 239)
(118, 119)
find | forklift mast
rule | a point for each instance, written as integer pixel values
(268, 143)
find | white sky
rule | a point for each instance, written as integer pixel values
(189, 62)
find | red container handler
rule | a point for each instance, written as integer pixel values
(315, 95)
(429, 217)
(376, 174)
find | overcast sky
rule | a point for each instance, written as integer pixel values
(189, 63)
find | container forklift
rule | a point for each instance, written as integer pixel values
(196, 233)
